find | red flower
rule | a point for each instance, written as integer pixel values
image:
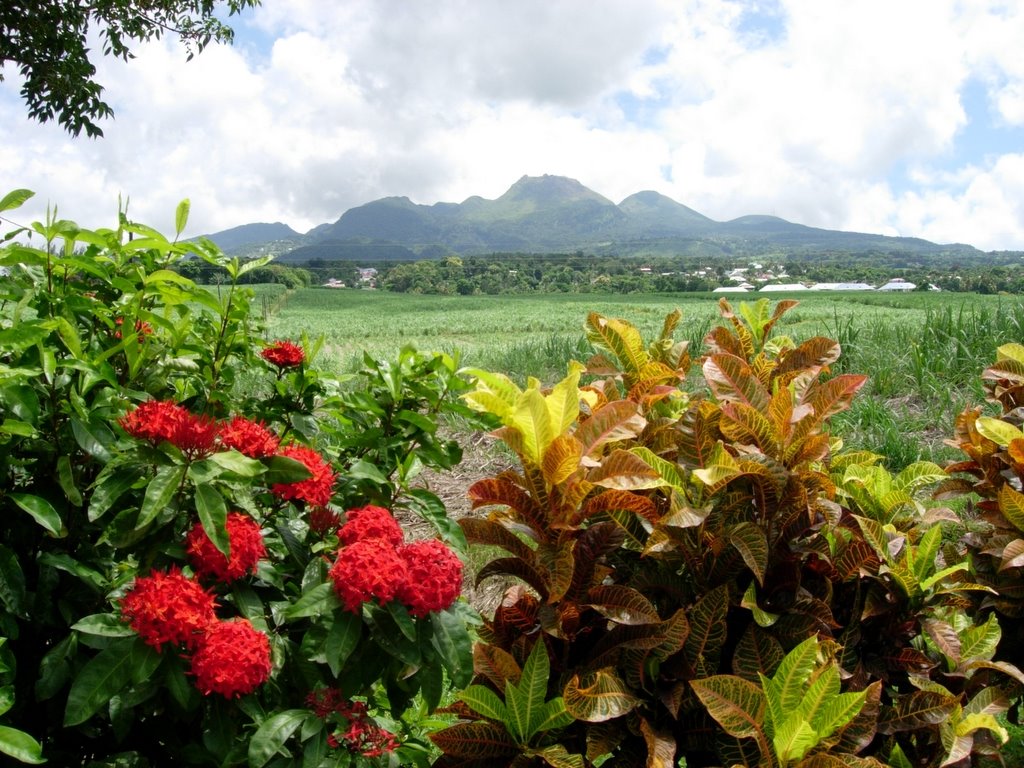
(246, 550)
(362, 736)
(168, 608)
(316, 490)
(162, 421)
(284, 354)
(322, 520)
(195, 436)
(434, 577)
(153, 420)
(368, 568)
(232, 659)
(250, 438)
(370, 522)
(142, 328)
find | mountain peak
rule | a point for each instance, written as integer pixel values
(548, 189)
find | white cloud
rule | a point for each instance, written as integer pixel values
(814, 121)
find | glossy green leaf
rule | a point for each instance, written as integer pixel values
(236, 463)
(102, 677)
(42, 512)
(110, 488)
(428, 506)
(93, 439)
(104, 625)
(454, 646)
(12, 582)
(272, 734)
(484, 701)
(66, 478)
(342, 639)
(284, 470)
(181, 216)
(15, 199)
(20, 745)
(213, 514)
(525, 700)
(318, 601)
(159, 493)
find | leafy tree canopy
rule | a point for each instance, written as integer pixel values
(47, 41)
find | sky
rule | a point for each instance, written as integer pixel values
(899, 117)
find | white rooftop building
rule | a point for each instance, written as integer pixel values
(897, 284)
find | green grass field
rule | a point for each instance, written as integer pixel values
(923, 352)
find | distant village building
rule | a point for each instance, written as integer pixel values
(897, 284)
(733, 289)
(334, 283)
(842, 287)
(778, 287)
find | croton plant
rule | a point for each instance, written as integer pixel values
(700, 573)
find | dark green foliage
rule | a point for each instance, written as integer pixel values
(46, 41)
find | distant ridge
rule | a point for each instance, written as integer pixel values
(252, 234)
(544, 214)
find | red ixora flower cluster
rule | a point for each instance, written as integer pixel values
(284, 354)
(246, 548)
(228, 657)
(232, 658)
(316, 490)
(424, 576)
(370, 522)
(362, 736)
(168, 608)
(250, 438)
(160, 421)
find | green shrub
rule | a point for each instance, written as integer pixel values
(172, 585)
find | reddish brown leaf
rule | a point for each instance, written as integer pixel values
(499, 491)
(475, 740)
(616, 421)
(610, 500)
(513, 566)
(481, 531)
(661, 746)
(623, 605)
(496, 665)
(624, 471)
(561, 459)
(917, 710)
(732, 381)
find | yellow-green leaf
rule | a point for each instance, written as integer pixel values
(998, 431)
(1011, 504)
(564, 400)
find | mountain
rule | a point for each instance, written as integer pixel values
(544, 214)
(536, 213)
(240, 238)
